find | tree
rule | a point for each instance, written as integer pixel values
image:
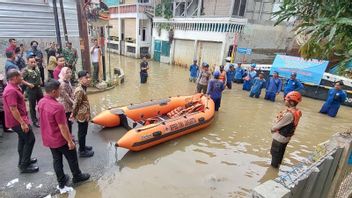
(326, 26)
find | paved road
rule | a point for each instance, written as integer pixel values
(44, 182)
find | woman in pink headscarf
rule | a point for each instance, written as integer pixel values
(66, 93)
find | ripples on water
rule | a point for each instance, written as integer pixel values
(227, 159)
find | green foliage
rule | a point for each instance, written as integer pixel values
(327, 24)
(164, 9)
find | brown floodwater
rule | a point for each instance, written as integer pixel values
(227, 159)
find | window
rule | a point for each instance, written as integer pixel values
(143, 34)
(239, 7)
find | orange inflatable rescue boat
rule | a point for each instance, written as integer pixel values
(156, 121)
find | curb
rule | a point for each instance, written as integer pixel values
(100, 90)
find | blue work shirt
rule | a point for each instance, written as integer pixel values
(230, 75)
(215, 88)
(336, 96)
(292, 85)
(10, 65)
(194, 70)
(274, 85)
(252, 74)
(239, 73)
(258, 85)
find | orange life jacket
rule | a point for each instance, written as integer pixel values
(289, 129)
(222, 76)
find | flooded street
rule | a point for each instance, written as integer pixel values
(227, 159)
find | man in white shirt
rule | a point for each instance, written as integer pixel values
(95, 52)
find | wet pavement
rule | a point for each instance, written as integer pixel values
(227, 159)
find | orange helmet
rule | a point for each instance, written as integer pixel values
(294, 96)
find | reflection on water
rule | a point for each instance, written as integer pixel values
(227, 159)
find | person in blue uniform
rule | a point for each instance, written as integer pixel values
(248, 80)
(292, 84)
(215, 88)
(230, 76)
(239, 74)
(335, 98)
(273, 87)
(193, 70)
(258, 85)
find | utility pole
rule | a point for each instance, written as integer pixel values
(63, 20)
(102, 43)
(83, 35)
(57, 25)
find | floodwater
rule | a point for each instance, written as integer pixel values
(227, 159)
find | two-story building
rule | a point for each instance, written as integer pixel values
(131, 27)
(206, 30)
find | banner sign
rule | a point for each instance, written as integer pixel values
(309, 71)
(242, 50)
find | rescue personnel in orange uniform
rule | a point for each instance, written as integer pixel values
(223, 76)
(284, 127)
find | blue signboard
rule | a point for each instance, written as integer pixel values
(110, 3)
(242, 50)
(310, 71)
(350, 159)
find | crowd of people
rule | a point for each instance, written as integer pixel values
(254, 81)
(284, 126)
(63, 103)
(59, 107)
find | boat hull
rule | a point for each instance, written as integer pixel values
(147, 136)
(137, 112)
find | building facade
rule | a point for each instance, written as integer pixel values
(206, 30)
(131, 27)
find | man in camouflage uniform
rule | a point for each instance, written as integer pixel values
(34, 51)
(71, 57)
(31, 74)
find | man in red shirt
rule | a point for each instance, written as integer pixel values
(12, 46)
(56, 135)
(16, 117)
(60, 65)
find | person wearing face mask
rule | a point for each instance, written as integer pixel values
(19, 61)
(34, 51)
(32, 75)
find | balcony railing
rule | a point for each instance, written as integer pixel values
(131, 8)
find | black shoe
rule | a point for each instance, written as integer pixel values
(30, 169)
(89, 148)
(36, 124)
(86, 153)
(80, 178)
(9, 130)
(33, 160)
(63, 184)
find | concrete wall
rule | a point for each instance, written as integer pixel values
(265, 40)
(130, 1)
(130, 28)
(217, 8)
(114, 30)
(198, 38)
(319, 176)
